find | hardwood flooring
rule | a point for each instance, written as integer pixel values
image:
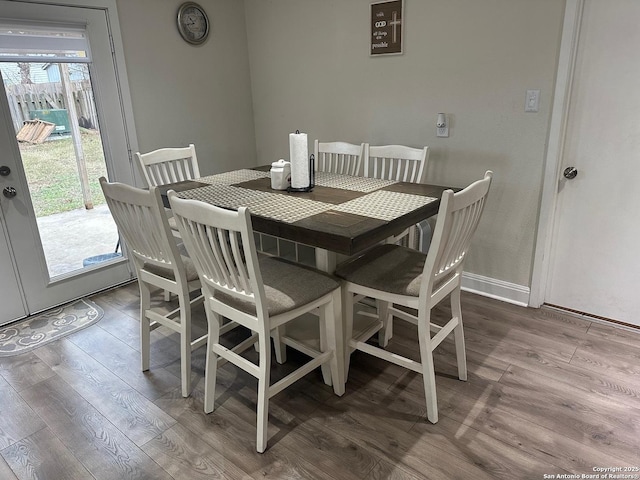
(547, 394)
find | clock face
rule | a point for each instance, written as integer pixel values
(193, 23)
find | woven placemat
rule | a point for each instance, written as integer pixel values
(384, 205)
(226, 196)
(230, 178)
(347, 182)
(285, 208)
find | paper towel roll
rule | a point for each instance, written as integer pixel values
(299, 157)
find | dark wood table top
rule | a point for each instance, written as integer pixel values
(342, 214)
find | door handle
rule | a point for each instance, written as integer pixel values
(4, 171)
(570, 173)
(9, 192)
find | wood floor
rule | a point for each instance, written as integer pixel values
(547, 394)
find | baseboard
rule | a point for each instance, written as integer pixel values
(490, 287)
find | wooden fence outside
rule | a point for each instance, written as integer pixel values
(24, 98)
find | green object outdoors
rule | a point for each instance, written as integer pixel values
(59, 116)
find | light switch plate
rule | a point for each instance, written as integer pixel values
(532, 102)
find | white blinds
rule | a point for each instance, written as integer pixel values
(42, 43)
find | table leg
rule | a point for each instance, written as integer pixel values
(326, 260)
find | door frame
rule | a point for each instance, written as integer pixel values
(555, 151)
(127, 131)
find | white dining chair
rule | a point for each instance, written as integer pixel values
(168, 165)
(404, 164)
(396, 162)
(159, 264)
(396, 275)
(262, 294)
(339, 157)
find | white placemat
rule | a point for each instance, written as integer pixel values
(281, 207)
(230, 178)
(224, 195)
(348, 182)
(384, 205)
(286, 208)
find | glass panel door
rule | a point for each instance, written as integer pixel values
(62, 127)
(55, 122)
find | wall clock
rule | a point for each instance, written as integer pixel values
(193, 23)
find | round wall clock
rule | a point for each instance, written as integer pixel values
(193, 23)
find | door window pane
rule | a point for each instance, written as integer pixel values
(57, 127)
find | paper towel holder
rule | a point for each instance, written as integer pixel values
(312, 177)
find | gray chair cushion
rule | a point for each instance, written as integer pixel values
(287, 286)
(390, 268)
(190, 269)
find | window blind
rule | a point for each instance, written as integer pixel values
(43, 43)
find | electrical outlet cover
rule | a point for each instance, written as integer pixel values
(442, 131)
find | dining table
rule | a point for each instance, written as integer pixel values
(341, 216)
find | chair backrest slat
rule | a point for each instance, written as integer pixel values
(233, 270)
(216, 259)
(396, 162)
(458, 219)
(339, 157)
(236, 248)
(169, 165)
(197, 231)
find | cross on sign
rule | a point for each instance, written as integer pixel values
(394, 23)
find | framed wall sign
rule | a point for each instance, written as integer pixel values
(387, 25)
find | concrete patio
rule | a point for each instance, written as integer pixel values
(70, 237)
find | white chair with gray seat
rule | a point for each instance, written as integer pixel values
(404, 164)
(169, 165)
(396, 162)
(397, 275)
(160, 264)
(339, 157)
(260, 294)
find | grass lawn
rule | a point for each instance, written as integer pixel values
(52, 173)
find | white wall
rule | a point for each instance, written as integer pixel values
(473, 59)
(185, 94)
